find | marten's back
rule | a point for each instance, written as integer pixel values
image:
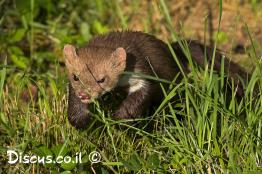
(144, 52)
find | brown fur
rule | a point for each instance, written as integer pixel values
(99, 68)
(90, 67)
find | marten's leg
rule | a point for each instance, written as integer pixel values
(77, 111)
(135, 103)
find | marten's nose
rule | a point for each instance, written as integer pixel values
(83, 95)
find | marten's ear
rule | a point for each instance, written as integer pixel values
(70, 53)
(119, 58)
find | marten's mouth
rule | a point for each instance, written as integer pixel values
(84, 97)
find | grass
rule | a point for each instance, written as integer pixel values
(209, 131)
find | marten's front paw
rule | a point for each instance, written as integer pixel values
(125, 113)
(79, 119)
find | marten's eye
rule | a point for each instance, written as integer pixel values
(101, 80)
(75, 77)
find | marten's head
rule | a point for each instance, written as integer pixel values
(93, 71)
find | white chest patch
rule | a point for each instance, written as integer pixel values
(134, 83)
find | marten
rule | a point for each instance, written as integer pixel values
(99, 66)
